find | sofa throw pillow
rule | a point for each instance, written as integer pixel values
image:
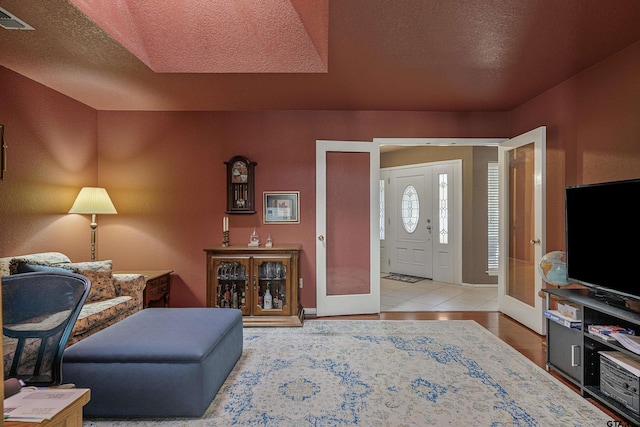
(100, 274)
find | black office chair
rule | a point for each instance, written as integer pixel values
(39, 311)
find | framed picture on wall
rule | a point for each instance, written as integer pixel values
(281, 207)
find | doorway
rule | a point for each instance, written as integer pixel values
(428, 246)
(421, 227)
(323, 297)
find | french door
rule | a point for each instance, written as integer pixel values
(522, 227)
(347, 235)
(343, 171)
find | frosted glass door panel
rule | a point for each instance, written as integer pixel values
(521, 267)
(348, 227)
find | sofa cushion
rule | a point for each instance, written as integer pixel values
(101, 275)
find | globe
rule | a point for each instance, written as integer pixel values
(553, 268)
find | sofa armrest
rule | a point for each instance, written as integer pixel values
(132, 285)
(9, 265)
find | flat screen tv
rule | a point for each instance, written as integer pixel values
(603, 238)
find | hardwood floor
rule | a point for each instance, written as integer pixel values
(523, 339)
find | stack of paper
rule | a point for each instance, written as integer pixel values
(37, 405)
(606, 331)
(630, 342)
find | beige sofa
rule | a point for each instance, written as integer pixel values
(112, 298)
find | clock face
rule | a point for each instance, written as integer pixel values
(239, 172)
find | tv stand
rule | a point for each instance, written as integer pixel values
(574, 353)
(609, 299)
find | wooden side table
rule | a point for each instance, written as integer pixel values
(71, 416)
(158, 288)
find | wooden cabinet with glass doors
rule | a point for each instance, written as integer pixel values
(260, 281)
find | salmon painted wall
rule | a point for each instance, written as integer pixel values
(52, 153)
(165, 173)
(593, 131)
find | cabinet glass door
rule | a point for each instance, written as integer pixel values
(271, 287)
(232, 285)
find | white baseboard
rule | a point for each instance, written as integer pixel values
(480, 285)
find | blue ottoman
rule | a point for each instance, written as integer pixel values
(158, 362)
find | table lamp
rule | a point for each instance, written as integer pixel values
(93, 201)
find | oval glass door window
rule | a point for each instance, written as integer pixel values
(410, 208)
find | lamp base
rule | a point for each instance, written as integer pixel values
(94, 226)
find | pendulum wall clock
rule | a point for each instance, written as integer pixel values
(240, 185)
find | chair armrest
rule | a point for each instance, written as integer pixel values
(132, 285)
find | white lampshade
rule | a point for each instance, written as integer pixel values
(93, 200)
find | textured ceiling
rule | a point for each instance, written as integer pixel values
(218, 36)
(433, 55)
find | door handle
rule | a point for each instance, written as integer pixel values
(534, 242)
(321, 238)
(575, 355)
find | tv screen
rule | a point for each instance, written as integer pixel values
(603, 236)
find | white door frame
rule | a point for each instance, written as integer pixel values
(384, 250)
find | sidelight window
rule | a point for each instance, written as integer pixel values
(382, 228)
(443, 209)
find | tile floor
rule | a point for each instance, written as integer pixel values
(428, 295)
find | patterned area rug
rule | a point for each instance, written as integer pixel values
(404, 278)
(386, 373)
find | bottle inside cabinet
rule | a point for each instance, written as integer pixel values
(272, 285)
(231, 285)
(268, 299)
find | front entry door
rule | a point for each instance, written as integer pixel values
(347, 228)
(522, 227)
(411, 218)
